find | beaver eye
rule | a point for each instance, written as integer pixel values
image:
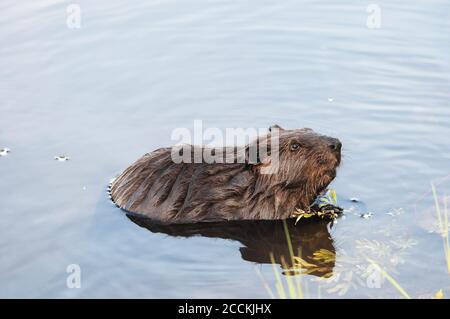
(295, 146)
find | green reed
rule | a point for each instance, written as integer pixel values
(442, 216)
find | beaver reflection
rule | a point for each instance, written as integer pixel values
(312, 245)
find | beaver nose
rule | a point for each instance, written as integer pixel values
(335, 145)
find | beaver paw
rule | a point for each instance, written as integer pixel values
(327, 211)
(331, 209)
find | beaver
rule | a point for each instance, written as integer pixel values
(170, 192)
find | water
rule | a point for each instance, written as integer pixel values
(104, 94)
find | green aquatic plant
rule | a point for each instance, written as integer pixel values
(323, 260)
(298, 292)
(294, 289)
(291, 285)
(389, 278)
(370, 262)
(265, 284)
(329, 198)
(442, 216)
(355, 271)
(326, 203)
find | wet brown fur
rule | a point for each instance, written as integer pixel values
(167, 192)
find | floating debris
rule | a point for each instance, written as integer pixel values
(354, 200)
(4, 151)
(330, 99)
(404, 243)
(439, 294)
(349, 210)
(366, 215)
(396, 212)
(61, 158)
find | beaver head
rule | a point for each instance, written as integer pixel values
(307, 163)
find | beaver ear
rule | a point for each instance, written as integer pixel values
(275, 126)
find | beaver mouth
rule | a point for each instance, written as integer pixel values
(338, 160)
(329, 176)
